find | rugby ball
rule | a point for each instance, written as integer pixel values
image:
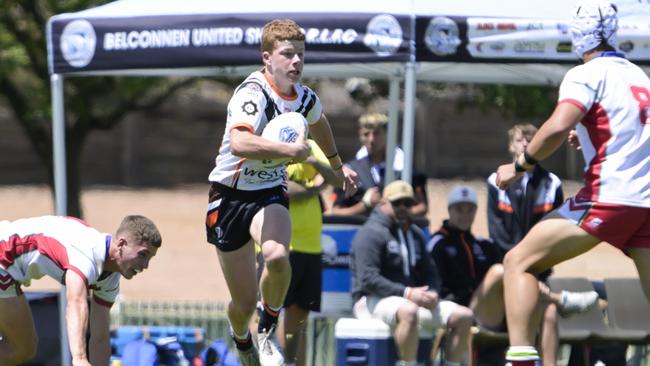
(285, 127)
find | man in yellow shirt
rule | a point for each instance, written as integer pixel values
(306, 181)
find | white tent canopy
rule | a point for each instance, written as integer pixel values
(504, 41)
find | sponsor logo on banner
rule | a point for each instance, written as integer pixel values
(506, 26)
(626, 46)
(529, 47)
(485, 26)
(383, 35)
(442, 36)
(78, 41)
(563, 47)
(331, 36)
(562, 28)
(495, 47)
(214, 37)
(535, 26)
(489, 26)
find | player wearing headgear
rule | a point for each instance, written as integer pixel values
(607, 101)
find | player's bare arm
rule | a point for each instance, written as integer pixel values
(246, 144)
(549, 138)
(327, 174)
(99, 345)
(321, 132)
(77, 317)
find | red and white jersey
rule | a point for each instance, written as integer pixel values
(614, 133)
(51, 245)
(255, 102)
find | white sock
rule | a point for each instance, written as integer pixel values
(522, 353)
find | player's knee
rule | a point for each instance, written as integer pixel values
(273, 251)
(461, 319)
(408, 313)
(511, 261)
(495, 273)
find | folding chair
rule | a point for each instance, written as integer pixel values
(589, 326)
(484, 339)
(628, 309)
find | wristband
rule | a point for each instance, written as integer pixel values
(521, 165)
(333, 155)
(529, 159)
(407, 293)
(519, 168)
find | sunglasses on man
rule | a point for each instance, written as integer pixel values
(406, 202)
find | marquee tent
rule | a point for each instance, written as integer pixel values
(504, 41)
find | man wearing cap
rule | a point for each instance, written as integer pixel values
(471, 274)
(607, 101)
(393, 279)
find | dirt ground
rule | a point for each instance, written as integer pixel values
(186, 267)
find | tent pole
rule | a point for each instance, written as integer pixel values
(409, 121)
(58, 145)
(60, 191)
(393, 121)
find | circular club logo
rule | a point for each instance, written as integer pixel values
(78, 42)
(441, 36)
(383, 35)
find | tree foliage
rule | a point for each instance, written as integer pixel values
(92, 103)
(522, 101)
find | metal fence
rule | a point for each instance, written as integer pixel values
(209, 316)
(321, 349)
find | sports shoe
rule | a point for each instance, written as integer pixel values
(270, 352)
(576, 302)
(250, 357)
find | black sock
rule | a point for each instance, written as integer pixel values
(268, 318)
(243, 344)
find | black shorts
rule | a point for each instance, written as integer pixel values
(231, 211)
(306, 281)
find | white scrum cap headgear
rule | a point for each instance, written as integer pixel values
(594, 21)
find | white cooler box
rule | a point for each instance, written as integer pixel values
(370, 342)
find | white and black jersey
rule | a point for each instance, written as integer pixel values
(254, 103)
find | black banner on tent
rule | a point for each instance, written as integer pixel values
(489, 39)
(219, 40)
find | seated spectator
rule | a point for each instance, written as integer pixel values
(471, 274)
(394, 280)
(370, 166)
